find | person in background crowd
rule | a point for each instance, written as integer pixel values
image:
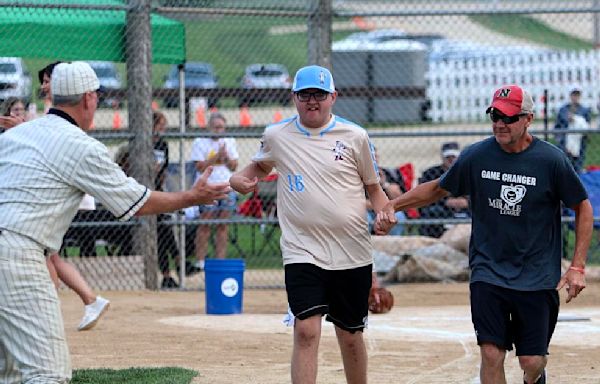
(45, 76)
(392, 183)
(167, 246)
(448, 207)
(573, 115)
(220, 153)
(12, 113)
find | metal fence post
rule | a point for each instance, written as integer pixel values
(319, 33)
(596, 24)
(139, 98)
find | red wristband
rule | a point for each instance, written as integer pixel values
(578, 269)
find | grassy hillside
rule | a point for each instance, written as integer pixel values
(232, 43)
(528, 28)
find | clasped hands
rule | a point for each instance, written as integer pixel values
(386, 219)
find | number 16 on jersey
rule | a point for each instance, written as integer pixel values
(295, 183)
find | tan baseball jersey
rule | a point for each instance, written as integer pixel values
(321, 203)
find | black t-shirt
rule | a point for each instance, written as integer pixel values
(438, 209)
(161, 154)
(516, 208)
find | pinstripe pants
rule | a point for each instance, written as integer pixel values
(33, 348)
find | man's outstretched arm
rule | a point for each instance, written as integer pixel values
(422, 195)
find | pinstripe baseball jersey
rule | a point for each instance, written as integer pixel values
(46, 165)
(321, 201)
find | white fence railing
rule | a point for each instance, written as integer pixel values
(461, 89)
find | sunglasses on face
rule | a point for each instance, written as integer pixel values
(495, 116)
(305, 96)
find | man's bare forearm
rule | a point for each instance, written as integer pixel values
(420, 196)
(584, 224)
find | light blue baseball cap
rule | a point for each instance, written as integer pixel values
(313, 76)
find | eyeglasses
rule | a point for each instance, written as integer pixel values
(495, 116)
(305, 96)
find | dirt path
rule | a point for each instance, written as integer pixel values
(427, 338)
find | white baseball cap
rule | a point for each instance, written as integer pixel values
(76, 78)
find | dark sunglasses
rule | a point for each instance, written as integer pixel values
(305, 96)
(495, 116)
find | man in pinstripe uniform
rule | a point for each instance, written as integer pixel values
(46, 166)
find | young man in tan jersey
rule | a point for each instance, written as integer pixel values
(324, 164)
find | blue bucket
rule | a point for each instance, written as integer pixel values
(224, 286)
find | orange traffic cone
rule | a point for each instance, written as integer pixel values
(116, 123)
(154, 105)
(363, 24)
(245, 119)
(277, 117)
(214, 109)
(201, 117)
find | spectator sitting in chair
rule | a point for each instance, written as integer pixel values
(392, 183)
(448, 207)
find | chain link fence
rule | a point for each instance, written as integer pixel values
(418, 75)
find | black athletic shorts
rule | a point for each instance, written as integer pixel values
(504, 317)
(342, 295)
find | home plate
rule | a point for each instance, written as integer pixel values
(569, 317)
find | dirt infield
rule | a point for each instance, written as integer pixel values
(426, 338)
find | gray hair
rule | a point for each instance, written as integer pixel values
(68, 101)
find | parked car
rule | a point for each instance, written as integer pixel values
(197, 75)
(110, 79)
(378, 36)
(15, 79)
(266, 76)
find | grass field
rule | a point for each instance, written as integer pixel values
(257, 244)
(167, 375)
